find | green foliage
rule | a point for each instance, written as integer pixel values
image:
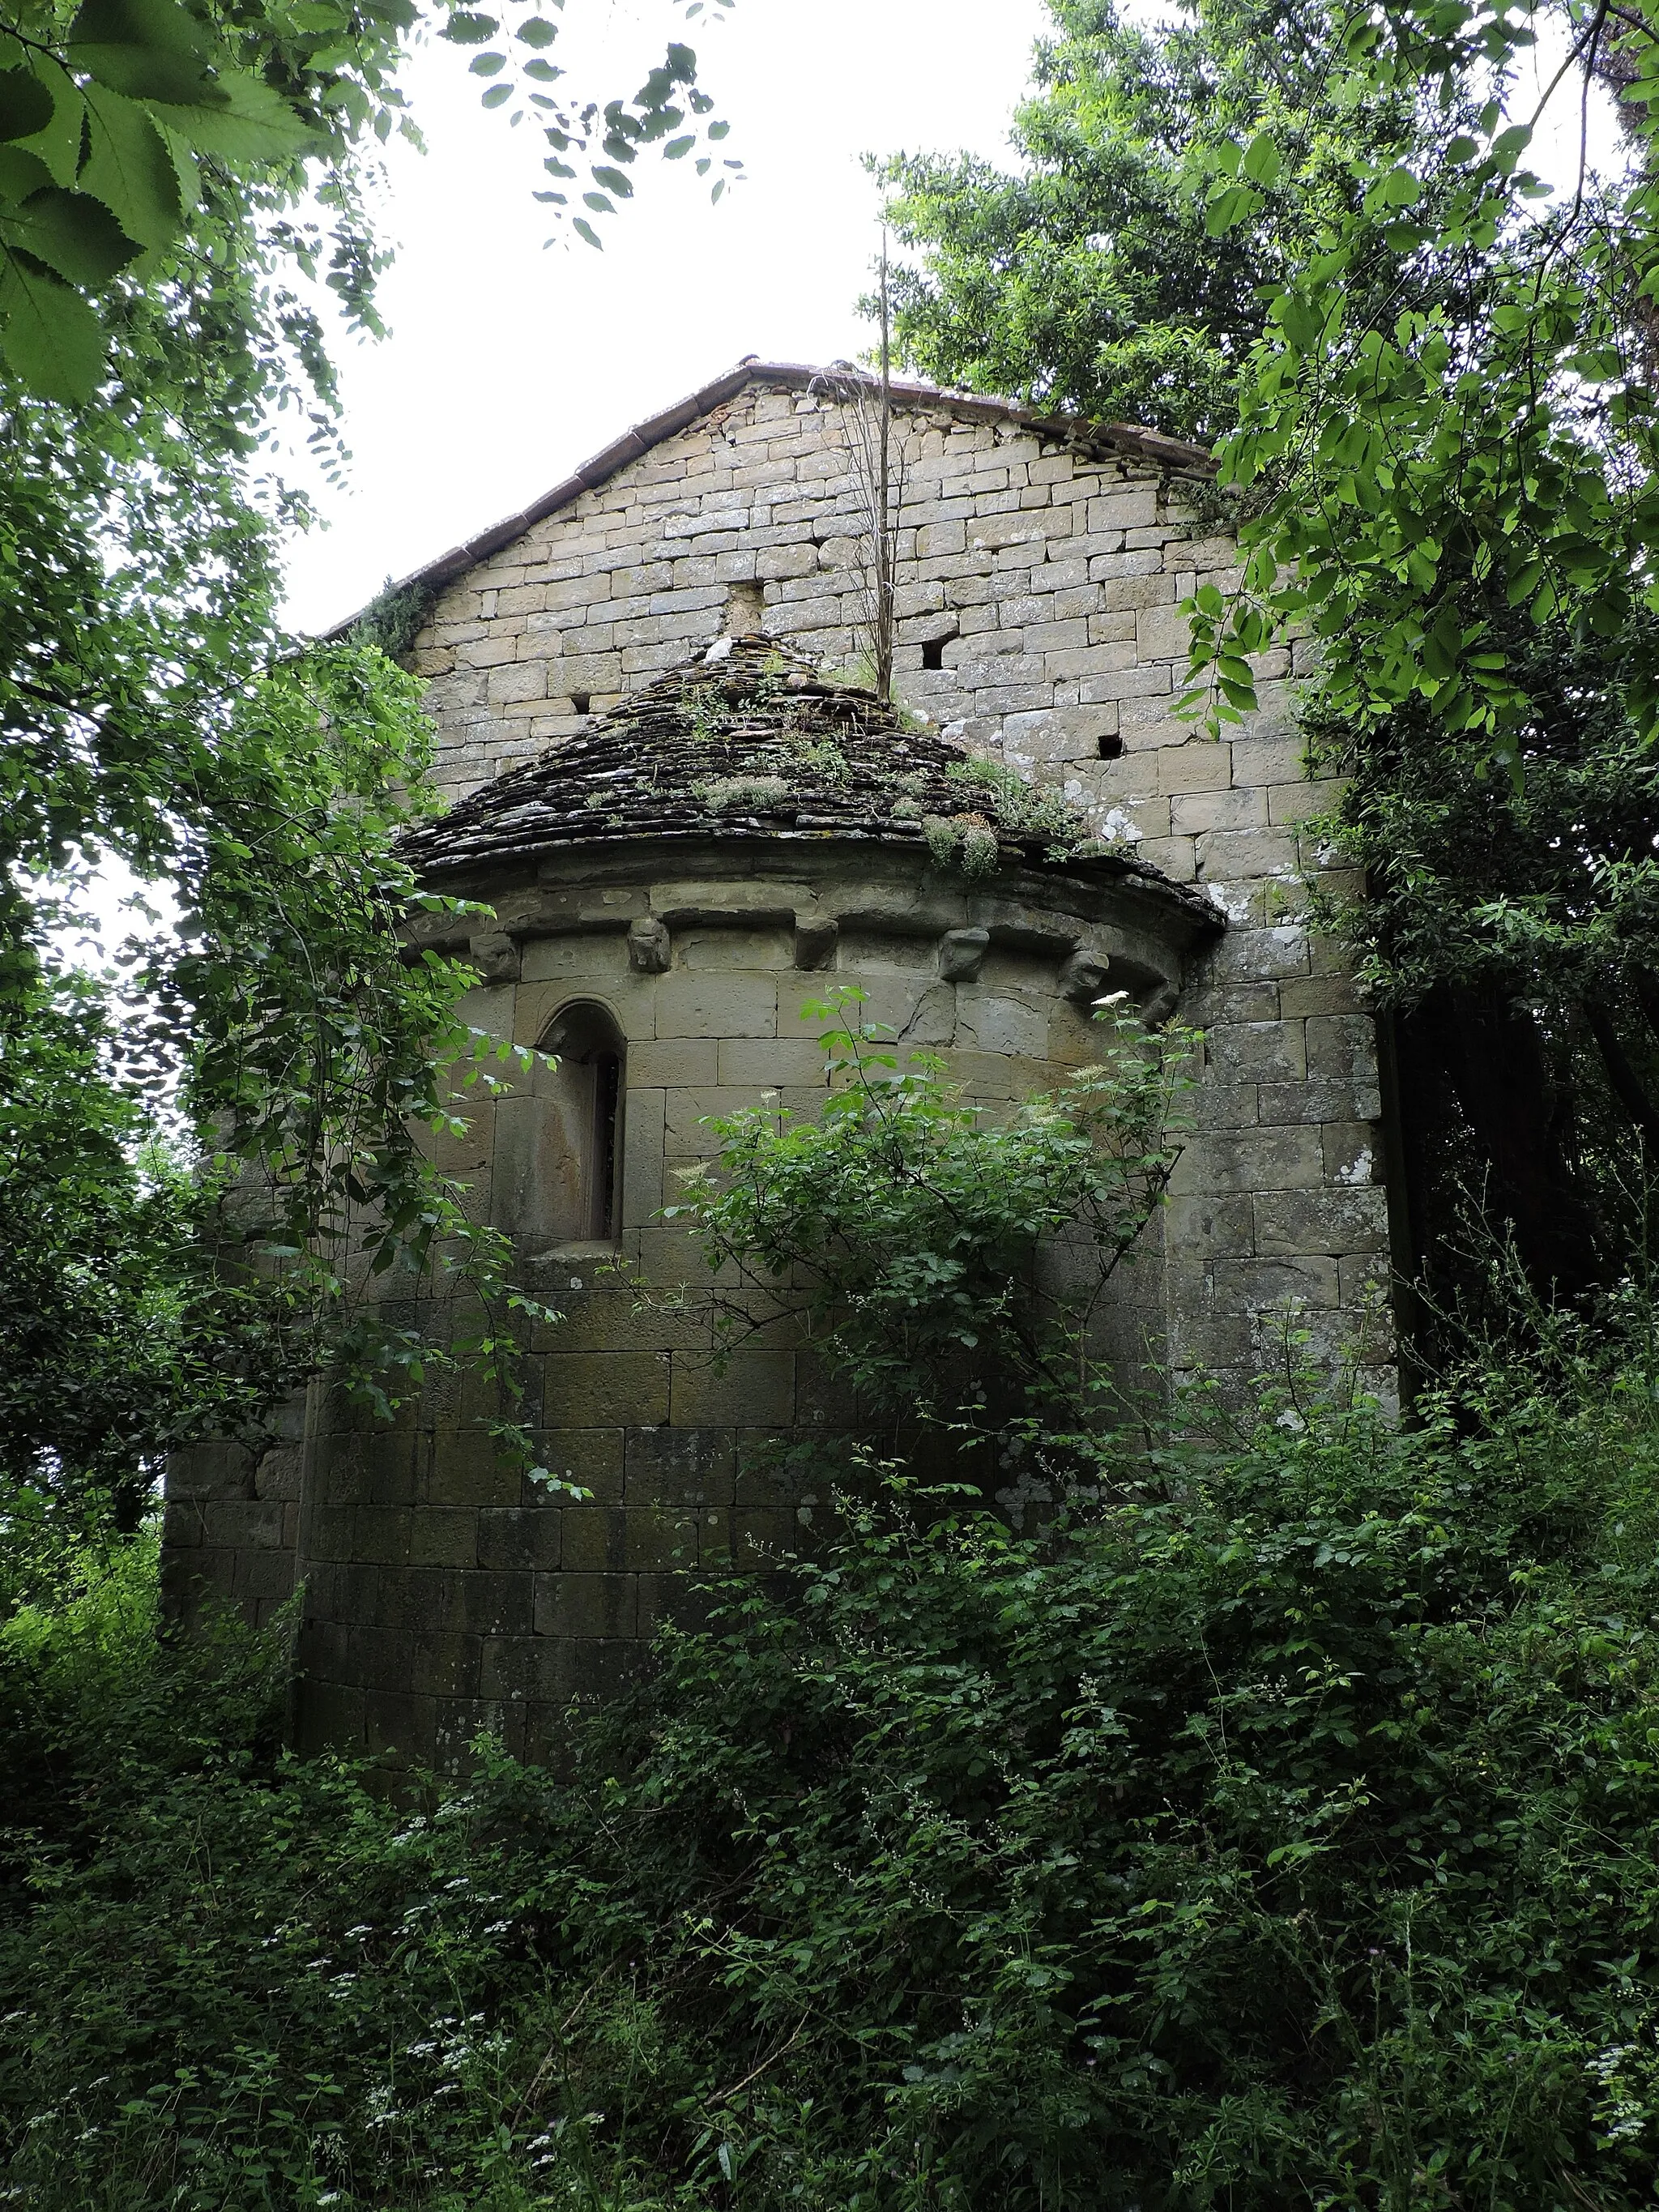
(282, 1013)
(949, 1265)
(1279, 1833)
(1508, 932)
(1421, 465)
(394, 618)
(136, 133)
(104, 1297)
(1092, 278)
(1019, 806)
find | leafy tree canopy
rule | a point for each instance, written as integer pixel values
(158, 256)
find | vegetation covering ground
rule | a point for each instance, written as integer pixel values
(1278, 1830)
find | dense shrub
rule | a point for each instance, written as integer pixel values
(1282, 1834)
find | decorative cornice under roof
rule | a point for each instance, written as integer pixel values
(1173, 455)
(752, 744)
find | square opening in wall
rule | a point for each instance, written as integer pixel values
(1110, 746)
(933, 651)
(580, 702)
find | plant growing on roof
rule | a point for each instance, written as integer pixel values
(734, 794)
(966, 841)
(1022, 808)
(877, 462)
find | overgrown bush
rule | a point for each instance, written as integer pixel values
(1282, 1834)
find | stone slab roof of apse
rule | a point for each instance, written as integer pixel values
(1173, 455)
(751, 742)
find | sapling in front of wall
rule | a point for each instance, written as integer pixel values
(949, 1266)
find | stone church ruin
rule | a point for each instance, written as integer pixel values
(688, 822)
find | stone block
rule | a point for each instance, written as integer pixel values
(1352, 1153)
(1328, 1220)
(399, 1721)
(1249, 1160)
(644, 1126)
(465, 1470)
(1342, 1047)
(1251, 954)
(1229, 854)
(1206, 1228)
(657, 1540)
(443, 1536)
(717, 1005)
(673, 1062)
(1319, 995)
(1195, 813)
(592, 1538)
(680, 1467)
(604, 1389)
(520, 1539)
(1195, 764)
(672, 1597)
(996, 1023)
(587, 1606)
(1293, 803)
(1254, 1286)
(755, 1064)
(756, 1389)
(1322, 1100)
(442, 1664)
(1256, 1052)
(585, 1459)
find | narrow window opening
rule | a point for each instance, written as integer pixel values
(577, 1169)
(1111, 748)
(607, 1103)
(580, 702)
(932, 651)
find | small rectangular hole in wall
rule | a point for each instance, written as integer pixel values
(1111, 748)
(580, 702)
(932, 651)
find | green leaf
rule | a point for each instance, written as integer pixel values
(1230, 205)
(22, 174)
(58, 145)
(599, 202)
(26, 105)
(678, 149)
(490, 65)
(53, 341)
(156, 26)
(467, 29)
(613, 180)
(497, 95)
(130, 170)
(253, 123)
(1262, 163)
(72, 233)
(537, 31)
(144, 73)
(583, 228)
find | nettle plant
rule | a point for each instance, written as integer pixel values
(949, 1263)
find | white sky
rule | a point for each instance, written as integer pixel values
(506, 364)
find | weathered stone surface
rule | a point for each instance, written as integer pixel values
(644, 864)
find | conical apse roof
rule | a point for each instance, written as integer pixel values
(753, 741)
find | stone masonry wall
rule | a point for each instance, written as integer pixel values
(1052, 574)
(1044, 577)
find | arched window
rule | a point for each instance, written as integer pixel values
(587, 1085)
(557, 1173)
